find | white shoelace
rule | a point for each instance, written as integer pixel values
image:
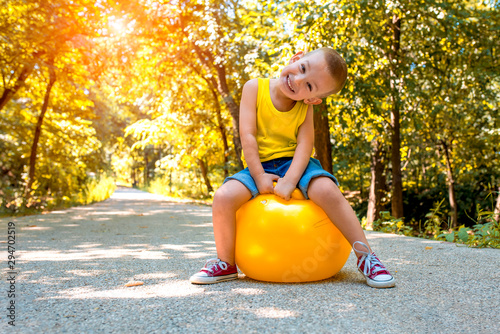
(370, 260)
(213, 263)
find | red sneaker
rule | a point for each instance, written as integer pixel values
(215, 271)
(377, 276)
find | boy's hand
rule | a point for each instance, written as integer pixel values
(284, 189)
(264, 183)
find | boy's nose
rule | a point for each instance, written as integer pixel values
(299, 80)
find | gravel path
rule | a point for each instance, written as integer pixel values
(74, 264)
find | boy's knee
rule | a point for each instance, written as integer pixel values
(221, 196)
(230, 195)
(324, 187)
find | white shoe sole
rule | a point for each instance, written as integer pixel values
(380, 284)
(212, 280)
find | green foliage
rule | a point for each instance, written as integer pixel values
(485, 235)
(165, 186)
(93, 189)
(480, 235)
(180, 186)
(389, 224)
(96, 190)
(485, 232)
(435, 220)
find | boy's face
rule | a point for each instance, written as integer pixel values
(306, 78)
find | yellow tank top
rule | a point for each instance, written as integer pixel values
(276, 131)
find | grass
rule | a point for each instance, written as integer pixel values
(94, 190)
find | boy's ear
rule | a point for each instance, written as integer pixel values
(296, 57)
(313, 101)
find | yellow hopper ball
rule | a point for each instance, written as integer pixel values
(288, 241)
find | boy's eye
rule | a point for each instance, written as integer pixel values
(303, 68)
(309, 86)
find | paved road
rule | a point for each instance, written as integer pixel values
(74, 265)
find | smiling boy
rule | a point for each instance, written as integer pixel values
(277, 135)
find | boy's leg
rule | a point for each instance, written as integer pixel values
(227, 200)
(325, 193)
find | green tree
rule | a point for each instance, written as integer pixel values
(453, 50)
(47, 67)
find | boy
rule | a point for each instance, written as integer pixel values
(277, 132)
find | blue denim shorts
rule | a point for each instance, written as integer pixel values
(280, 167)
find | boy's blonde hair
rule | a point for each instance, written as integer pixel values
(336, 66)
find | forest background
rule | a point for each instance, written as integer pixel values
(146, 93)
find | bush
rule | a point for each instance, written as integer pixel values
(92, 190)
(388, 224)
(182, 186)
(96, 190)
(484, 233)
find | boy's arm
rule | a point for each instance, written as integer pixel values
(305, 143)
(248, 135)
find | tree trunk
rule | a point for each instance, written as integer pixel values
(38, 130)
(146, 170)
(220, 122)
(234, 110)
(496, 212)
(222, 130)
(322, 143)
(9, 93)
(397, 186)
(451, 186)
(377, 184)
(28, 67)
(208, 61)
(204, 173)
